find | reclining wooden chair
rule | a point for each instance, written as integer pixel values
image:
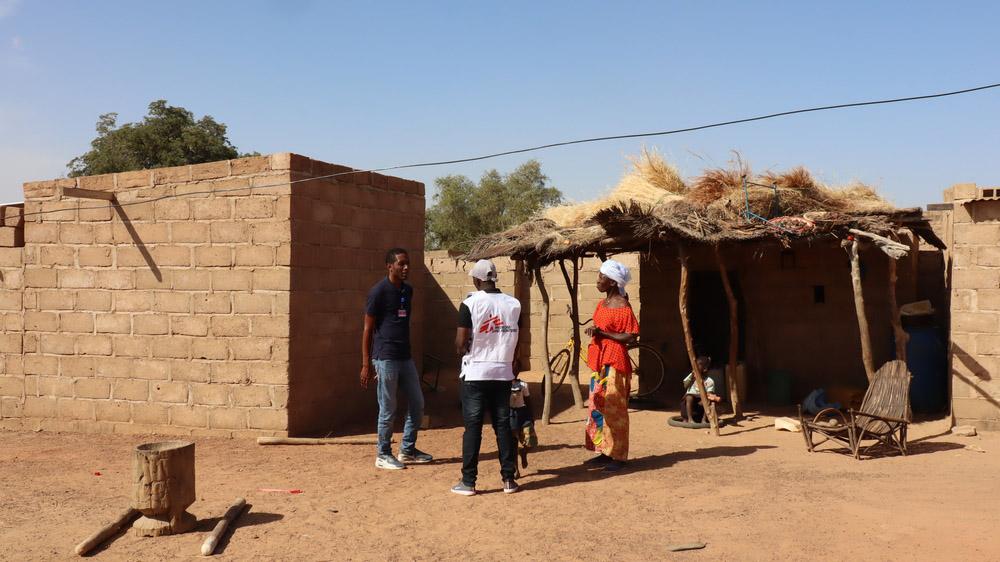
(882, 418)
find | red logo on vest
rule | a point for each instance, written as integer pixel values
(494, 324)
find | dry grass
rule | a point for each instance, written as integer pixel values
(718, 183)
(650, 181)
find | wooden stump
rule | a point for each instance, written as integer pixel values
(164, 488)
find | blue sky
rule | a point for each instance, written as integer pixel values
(377, 84)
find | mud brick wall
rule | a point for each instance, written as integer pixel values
(975, 305)
(342, 227)
(783, 327)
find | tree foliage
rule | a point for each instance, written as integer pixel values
(463, 210)
(167, 136)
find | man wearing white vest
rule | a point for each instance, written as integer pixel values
(487, 340)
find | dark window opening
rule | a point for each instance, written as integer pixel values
(819, 294)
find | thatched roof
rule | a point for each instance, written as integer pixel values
(730, 205)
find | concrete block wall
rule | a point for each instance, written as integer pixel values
(975, 306)
(11, 311)
(163, 314)
(342, 227)
(222, 298)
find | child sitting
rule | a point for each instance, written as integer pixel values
(522, 424)
(692, 410)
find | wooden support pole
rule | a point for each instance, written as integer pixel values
(107, 531)
(859, 307)
(912, 294)
(689, 342)
(897, 325)
(574, 316)
(315, 441)
(547, 401)
(212, 540)
(734, 337)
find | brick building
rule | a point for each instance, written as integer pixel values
(220, 298)
(970, 224)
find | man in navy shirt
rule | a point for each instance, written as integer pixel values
(386, 358)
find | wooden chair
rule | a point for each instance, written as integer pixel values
(882, 418)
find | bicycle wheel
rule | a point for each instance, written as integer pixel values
(559, 365)
(647, 374)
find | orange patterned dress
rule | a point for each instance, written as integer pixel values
(607, 419)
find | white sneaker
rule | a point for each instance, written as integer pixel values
(388, 462)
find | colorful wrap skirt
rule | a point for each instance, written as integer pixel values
(607, 419)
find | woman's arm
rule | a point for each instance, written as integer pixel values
(620, 338)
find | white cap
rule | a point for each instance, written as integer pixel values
(484, 270)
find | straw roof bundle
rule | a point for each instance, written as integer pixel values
(650, 181)
(652, 202)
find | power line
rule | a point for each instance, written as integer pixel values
(550, 145)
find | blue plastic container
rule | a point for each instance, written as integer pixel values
(927, 360)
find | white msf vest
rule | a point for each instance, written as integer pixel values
(494, 331)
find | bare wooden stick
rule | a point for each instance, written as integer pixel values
(859, 307)
(910, 294)
(315, 441)
(106, 531)
(572, 286)
(892, 248)
(689, 342)
(897, 325)
(547, 401)
(212, 540)
(734, 337)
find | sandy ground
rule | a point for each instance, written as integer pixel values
(752, 494)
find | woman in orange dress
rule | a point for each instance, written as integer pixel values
(615, 327)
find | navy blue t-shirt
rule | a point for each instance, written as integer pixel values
(391, 308)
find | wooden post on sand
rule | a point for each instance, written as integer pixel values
(851, 245)
(734, 338)
(547, 401)
(689, 342)
(574, 317)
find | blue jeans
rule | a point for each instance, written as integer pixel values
(395, 375)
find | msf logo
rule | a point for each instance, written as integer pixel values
(494, 325)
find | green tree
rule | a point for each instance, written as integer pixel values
(463, 210)
(167, 136)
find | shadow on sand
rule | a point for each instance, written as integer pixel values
(582, 473)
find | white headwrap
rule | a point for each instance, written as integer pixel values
(616, 272)
(484, 270)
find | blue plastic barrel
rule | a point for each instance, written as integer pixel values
(779, 388)
(928, 363)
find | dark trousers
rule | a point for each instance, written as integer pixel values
(479, 397)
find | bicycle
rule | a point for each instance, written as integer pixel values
(650, 373)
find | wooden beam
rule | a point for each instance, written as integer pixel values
(892, 248)
(689, 341)
(901, 336)
(88, 194)
(912, 287)
(547, 401)
(859, 307)
(734, 337)
(572, 286)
